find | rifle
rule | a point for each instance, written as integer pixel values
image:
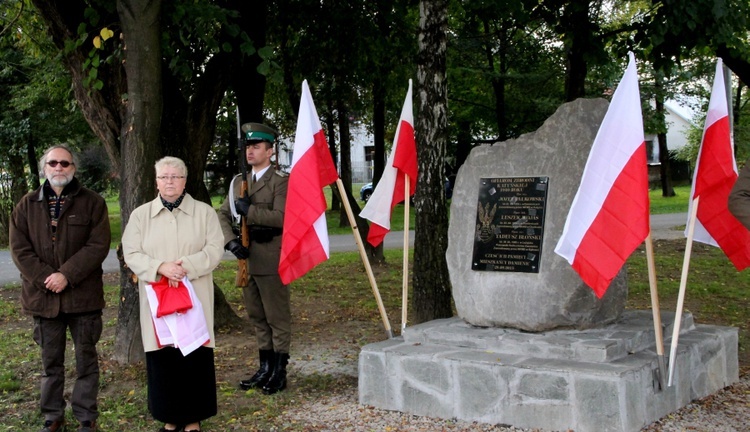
(242, 275)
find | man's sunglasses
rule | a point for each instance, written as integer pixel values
(64, 164)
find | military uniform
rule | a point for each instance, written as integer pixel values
(739, 197)
(266, 298)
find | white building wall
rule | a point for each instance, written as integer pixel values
(678, 126)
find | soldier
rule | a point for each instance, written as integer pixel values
(266, 297)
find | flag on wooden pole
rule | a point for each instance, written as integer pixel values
(715, 174)
(402, 163)
(609, 216)
(709, 219)
(304, 241)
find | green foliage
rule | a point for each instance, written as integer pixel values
(191, 34)
(95, 170)
(676, 27)
(104, 49)
(501, 56)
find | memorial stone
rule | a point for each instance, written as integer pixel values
(504, 288)
(533, 347)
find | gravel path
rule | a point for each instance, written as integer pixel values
(725, 411)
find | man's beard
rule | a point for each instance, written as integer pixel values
(61, 180)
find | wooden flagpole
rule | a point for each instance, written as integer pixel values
(655, 309)
(363, 255)
(405, 288)
(683, 285)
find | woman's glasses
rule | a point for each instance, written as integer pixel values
(168, 178)
(64, 164)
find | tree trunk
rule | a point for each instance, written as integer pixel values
(432, 289)
(345, 149)
(33, 163)
(384, 22)
(463, 144)
(249, 85)
(12, 188)
(330, 122)
(128, 342)
(378, 130)
(498, 77)
(139, 143)
(735, 61)
(665, 171)
(577, 42)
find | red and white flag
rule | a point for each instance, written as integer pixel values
(304, 241)
(609, 216)
(391, 188)
(715, 174)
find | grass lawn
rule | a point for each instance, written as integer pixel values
(675, 204)
(335, 314)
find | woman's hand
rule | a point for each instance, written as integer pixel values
(172, 271)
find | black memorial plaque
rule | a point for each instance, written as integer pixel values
(510, 224)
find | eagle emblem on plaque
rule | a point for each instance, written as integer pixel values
(485, 229)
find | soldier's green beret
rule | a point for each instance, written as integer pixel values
(259, 132)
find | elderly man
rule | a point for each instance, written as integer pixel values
(59, 237)
(266, 297)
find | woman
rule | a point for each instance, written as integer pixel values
(172, 237)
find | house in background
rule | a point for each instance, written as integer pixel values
(362, 153)
(679, 122)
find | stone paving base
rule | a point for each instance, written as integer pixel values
(595, 380)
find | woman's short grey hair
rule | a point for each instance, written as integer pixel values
(43, 159)
(171, 161)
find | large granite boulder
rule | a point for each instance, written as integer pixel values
(554, 296)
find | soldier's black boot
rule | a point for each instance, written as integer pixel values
(277, 382)
(263, 374)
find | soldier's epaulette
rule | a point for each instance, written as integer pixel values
(281, 174)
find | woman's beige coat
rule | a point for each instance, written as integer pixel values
(191, 233)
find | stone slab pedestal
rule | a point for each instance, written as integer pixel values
(594, 380)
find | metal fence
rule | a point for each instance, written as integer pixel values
(362, 171)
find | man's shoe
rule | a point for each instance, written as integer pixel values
(263, 374)
(277, 382)
(54, 426)
(87, 426)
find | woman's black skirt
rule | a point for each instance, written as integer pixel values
(181, 390)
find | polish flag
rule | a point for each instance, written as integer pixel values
(609, 216)
(391, 188)
(304, 241)
(715, 174)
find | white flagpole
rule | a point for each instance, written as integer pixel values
(655, 309)
(405, 282)
(681, 296)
